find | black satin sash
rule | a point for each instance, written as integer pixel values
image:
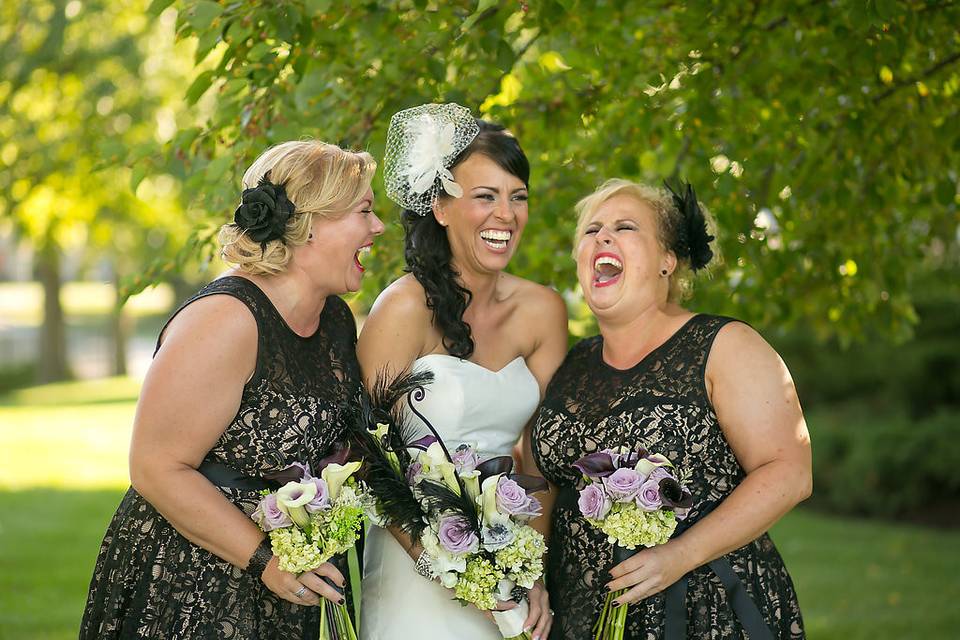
(226, 476)
(675, 596)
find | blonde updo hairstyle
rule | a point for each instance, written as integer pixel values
(320, 179)
(669, 223)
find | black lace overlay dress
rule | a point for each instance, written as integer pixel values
(151, 582)
(660, 404)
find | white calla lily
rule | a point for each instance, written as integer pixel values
(646, 465)
(292, 498)
(471, 481)
(488, 498)
(336, 474)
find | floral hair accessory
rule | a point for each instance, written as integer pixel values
(422, 143)
(264, 212)
(693, 241)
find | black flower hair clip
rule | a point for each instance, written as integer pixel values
(264, 212)
(693, 241)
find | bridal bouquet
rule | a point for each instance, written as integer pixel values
(311, 519)
(478, 542)
(470, 516)
(634, 498)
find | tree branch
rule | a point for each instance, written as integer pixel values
(926, 74)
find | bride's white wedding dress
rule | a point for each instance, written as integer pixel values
(466, 403)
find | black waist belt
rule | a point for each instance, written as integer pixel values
(675, 596)
(226, 476)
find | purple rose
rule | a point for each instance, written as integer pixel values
(320, 501)
(457, 536)
(512, 499)
(594, 502)
(659, 474)
(465, 458)
(623, 484)
(648, 497)
(269, 516)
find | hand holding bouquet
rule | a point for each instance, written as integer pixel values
(634, 498)
(479, 543)
(312, 519)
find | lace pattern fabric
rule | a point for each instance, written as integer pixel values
(151, 582)
(660, 404)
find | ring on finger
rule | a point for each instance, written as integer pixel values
(299, 593)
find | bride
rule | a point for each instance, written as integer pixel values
(492, 340)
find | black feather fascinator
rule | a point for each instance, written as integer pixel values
(693, 240)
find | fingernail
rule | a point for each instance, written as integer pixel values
(342, 601)
(610, 574)
(615, 603)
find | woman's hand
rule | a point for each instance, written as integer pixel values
(307, 588)
(648, 572)
(540, 618)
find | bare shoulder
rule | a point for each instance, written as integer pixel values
(737, 341)
(742, 359)
(404, 299)
(211, 322)
(398, 327)
(534, 298)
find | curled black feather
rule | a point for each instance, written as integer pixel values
(693, 240)
(397, 504)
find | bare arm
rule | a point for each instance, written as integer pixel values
(551, 315)
(759, 412)
(190, 394)
(393, 336)
(551, 347)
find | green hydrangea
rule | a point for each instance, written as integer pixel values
(630, 527)
(478, 583)
(331, 532)
(522, 559)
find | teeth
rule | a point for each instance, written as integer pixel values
(492, 234)
(363, 250)
(608, 260)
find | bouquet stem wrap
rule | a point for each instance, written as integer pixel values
(510, 622)
(612, 619)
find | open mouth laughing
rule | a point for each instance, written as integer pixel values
(496, 239)
(362, 251)
(607, 269)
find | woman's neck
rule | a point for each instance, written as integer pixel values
(297, 299)
(482, 286)
(627, 342)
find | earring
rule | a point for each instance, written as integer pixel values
(310, 237)
(663, 272)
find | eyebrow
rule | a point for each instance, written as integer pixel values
(495, 189)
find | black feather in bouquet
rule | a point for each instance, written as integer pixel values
(382, 435)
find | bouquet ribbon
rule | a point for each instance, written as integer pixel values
(675, 600)
(223, 475)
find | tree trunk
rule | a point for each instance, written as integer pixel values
(53, 339)
(120, 331)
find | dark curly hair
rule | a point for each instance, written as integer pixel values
(427, 250)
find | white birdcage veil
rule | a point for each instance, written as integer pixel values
(422, 143)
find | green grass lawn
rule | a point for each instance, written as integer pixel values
(63, 471)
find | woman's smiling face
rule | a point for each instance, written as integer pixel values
(485, 224)
(332, 253)
(620, 258)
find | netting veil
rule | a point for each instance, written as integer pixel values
(422, 143)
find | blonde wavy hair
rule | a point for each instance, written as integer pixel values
(320, 180)
(669, 220)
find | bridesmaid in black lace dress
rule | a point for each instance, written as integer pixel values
(705, 391)
(251, 375)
